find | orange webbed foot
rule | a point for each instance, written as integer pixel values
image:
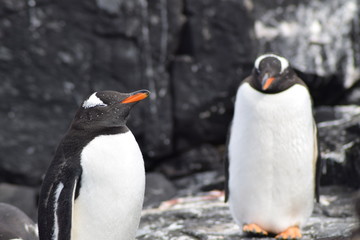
(290, 233)
(254, 229)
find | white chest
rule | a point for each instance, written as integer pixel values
(112, 189)
(271, 153)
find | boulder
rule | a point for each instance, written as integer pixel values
(55, 53)
(339, 129)
(202, 158)
(24, 198)
(199, 182)
(214, 55)
(158, 189)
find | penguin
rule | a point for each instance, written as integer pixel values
(272, 164)
(94, 187)
(15, 224)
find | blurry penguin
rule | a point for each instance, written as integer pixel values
(94, 187)
(15, 224)
(272, 166)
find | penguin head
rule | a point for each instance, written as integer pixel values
(272, 73)
(107, 109)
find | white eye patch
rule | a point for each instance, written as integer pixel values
(283, 61)
(93, 101)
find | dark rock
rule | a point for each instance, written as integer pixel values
(25, 198)
(325, 114)
(14, 224)
(158, 189)
(203, 158)
(351, 96)
(213, 58)
(160, 32)
(201, 114)
(55, 53)
(208, 217)
(199, 182)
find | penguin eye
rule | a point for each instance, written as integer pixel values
(101, 105)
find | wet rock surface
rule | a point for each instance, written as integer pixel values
(207, 217)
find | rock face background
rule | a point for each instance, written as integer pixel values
(191, 55)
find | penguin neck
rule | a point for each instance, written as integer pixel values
(76, 138)
(284, 82)
(92, 132)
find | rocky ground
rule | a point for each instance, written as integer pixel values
(207, 217)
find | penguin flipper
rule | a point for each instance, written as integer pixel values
(226, 165)
(317, 163)
(226, 169)
(56, 204)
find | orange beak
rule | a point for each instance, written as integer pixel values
(137, 96)
(268, 82)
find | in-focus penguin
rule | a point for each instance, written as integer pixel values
(15, 224)
(272, 166)
(94, 187)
